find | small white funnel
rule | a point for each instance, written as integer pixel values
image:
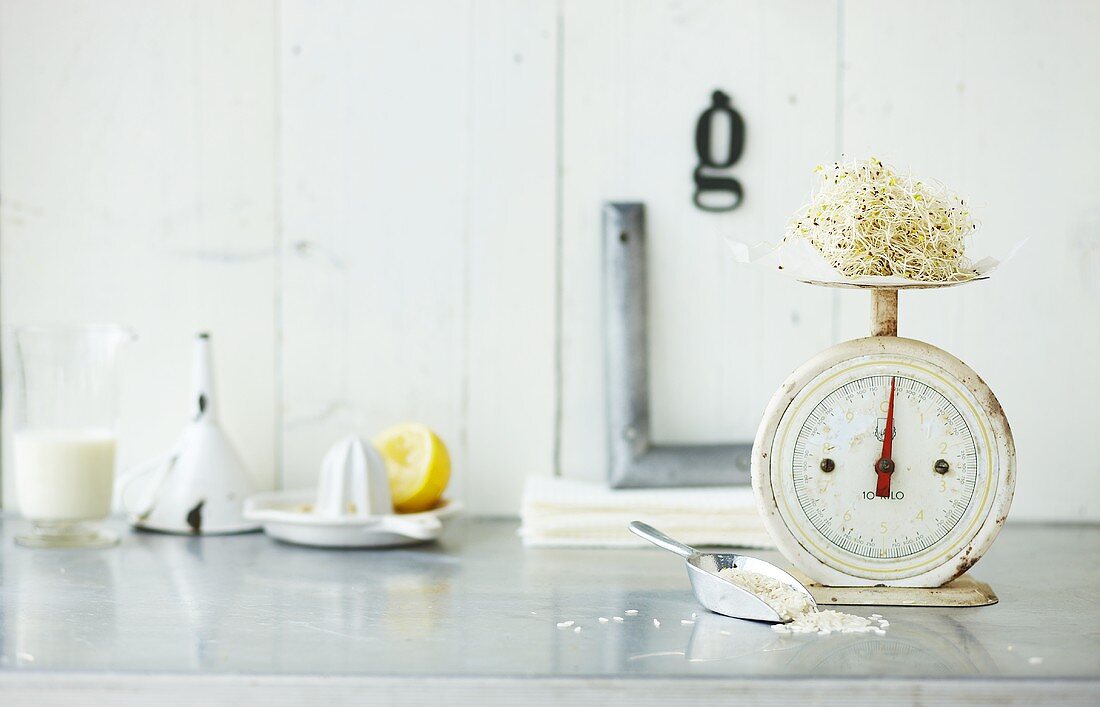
(200, 486)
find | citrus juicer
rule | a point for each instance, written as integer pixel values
(352, 506)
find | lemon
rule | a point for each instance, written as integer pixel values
(417, 464)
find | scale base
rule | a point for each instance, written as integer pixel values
(963, 591)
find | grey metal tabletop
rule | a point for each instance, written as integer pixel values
(479, 609)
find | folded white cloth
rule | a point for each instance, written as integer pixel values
(560, 512)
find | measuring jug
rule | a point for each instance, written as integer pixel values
(65, 426)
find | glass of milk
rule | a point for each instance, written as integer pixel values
(64, 431)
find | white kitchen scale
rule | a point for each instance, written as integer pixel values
(884, 468)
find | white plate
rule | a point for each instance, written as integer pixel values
(278, 512)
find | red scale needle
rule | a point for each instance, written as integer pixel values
(884, 467)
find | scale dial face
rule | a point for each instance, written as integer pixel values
(817, 474)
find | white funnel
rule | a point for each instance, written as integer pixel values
(199, 487)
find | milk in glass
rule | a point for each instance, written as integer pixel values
(63, 475)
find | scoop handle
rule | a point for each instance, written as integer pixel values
(644, 530)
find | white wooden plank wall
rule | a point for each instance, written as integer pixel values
(1002, 103)
(137, 186)
(511, 229)
(375, 156)
(636, 78)
(419, 221)
(391, 211)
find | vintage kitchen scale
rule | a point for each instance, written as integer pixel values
(884, 468)
(822, 455)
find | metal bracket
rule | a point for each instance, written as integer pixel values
(633, 459)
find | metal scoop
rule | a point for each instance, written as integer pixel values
(717, 593)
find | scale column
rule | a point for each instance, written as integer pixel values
(884, 312)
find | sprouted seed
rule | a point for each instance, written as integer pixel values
(866, 219)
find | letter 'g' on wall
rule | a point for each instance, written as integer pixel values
(715, 191)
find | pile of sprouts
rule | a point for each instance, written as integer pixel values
(865, 219)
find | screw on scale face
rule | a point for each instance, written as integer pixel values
(942, 466)
(886, 466)
(827, 465)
